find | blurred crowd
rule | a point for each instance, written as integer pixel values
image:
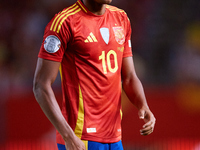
(165, 39)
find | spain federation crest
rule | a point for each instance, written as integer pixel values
(119, 35)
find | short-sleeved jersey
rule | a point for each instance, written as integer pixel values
(90, 49)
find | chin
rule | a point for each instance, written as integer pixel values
(104, 1)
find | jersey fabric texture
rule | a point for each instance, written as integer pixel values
(90, 49)
(91, 145)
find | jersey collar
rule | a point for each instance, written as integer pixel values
(83, 7)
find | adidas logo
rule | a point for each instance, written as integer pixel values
(91, 38)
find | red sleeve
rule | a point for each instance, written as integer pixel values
(54, 41)
(127, 44)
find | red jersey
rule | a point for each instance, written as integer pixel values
(90, 49)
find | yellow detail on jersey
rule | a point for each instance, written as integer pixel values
(60, 15)
(61, 22)
(121, 49)
(86, 41)
(112, 52)
(121, 113)
(82, 7)
(91, 38)
(80, 120)
(63, 16)
(60, 70)
(106, 62)
(86, 144)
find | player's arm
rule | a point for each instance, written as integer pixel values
(134, 91)
(45, 75)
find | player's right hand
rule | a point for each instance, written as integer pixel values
(74, 144)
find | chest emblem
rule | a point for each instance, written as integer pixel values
(119, 35)
(105, 34)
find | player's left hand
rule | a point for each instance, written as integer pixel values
(149, 119)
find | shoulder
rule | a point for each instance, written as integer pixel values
(115, 10)
(64, 17)
(119, 13)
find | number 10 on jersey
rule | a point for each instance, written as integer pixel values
(106, 59)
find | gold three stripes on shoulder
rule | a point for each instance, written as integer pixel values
(61, 17)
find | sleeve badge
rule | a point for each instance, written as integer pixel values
(52, 44)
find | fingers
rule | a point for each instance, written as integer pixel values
(148, 127)
(146, 132)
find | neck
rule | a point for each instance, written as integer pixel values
(94, 7)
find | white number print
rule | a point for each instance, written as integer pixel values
(106, 59)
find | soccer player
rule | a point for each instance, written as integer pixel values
(89, 42)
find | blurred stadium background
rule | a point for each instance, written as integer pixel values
(166, 47)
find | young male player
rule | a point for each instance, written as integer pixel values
(90, 43)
